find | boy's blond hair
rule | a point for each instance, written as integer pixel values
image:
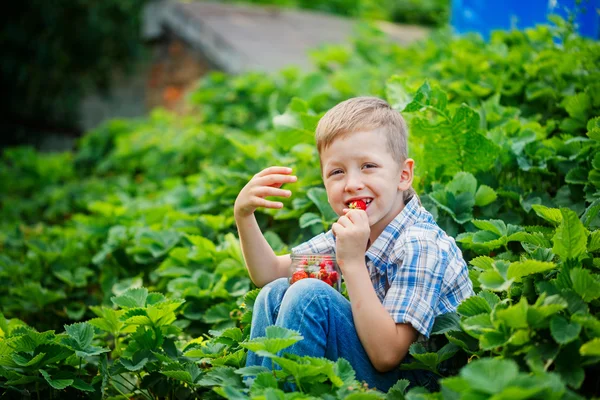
(366, 114)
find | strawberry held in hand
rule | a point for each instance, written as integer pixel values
(358, 204)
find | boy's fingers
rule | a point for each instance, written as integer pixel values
(265, 191)
(335, 228)
(344, 221)
(276, 180)
(269, 204)
(274, 170)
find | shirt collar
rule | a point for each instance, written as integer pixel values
(380, 250)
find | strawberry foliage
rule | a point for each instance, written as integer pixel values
(121, 274)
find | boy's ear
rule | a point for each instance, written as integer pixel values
(406, 174)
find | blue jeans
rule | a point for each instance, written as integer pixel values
(324, 318)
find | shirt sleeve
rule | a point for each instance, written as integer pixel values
(414, 292)
(323, 243)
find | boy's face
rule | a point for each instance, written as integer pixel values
(359, 166)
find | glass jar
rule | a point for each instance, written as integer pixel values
(317, 266)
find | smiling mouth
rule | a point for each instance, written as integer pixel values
(366, 201)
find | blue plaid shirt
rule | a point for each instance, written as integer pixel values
(416, 269)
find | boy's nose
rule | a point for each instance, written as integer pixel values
(354, 183)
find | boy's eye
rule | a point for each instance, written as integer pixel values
(335, 172)
(369, 165)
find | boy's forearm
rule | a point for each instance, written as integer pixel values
(261, 261)
(385, 342)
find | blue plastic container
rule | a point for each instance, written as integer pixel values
(485, 16)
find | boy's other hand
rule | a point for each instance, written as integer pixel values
(352, 232)
(266, 183)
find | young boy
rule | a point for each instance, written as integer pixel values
(401, 270)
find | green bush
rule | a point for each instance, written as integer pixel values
(423, 12)
(127, 246)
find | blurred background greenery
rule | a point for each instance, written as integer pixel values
(425, 12)
(53, 53)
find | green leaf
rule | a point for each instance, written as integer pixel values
(82, 385)
(397, 391)
(427, 97)
(309, 367)
(585, 284)
(482, 262)
(514, 316)
(472, 306)
(221, 376)
(594, 242)
(485, 195)
(80, 336)
(445, 323)
(591, 348)
(133, 297)
(493, 225)
(25, 360)
(477, 325)
(518, 270)
(343, 369)
(179, 375)
(277, 339)
(252, 371)
(577, 105)
(319, 197)
(263, 381)
(594, 177)
(462, 182)
(57, 384)
(494, 281)
(536, 239)
(475, 151)
(552, 215)
(491, 298)
(570, 240)
(593, 127)
(587, 321)
(138, 361)
(187, 373)
(564, 331)
(493, 340)
(396, 93)
(108, 320)
(217, 313)
(544, 308)
(489, 375)
(308, 219)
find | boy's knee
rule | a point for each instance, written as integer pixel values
(274, 288)
(307, 288)
(277, 284)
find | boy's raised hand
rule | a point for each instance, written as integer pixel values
(266, 183)
(352, 232)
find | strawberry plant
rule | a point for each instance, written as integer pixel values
(121, 275)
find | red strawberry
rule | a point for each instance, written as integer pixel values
(296, 276)
(333, 275)
(358, 204)
(322, 275)
(327, 281)
(326, 263)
